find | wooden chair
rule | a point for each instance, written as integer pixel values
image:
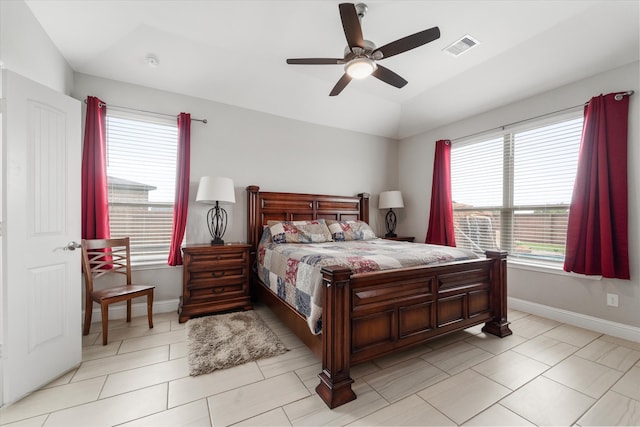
(110, 256)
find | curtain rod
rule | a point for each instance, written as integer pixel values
(618, 97)
(102, 104)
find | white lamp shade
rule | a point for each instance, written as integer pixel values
(216, 189)
(390, 200)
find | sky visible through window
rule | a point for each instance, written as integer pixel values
(545, 163)
(544, 160)
(145, 153)
(476, 173)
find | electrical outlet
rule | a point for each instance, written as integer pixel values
(612, 300)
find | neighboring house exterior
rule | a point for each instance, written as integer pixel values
(131, 214)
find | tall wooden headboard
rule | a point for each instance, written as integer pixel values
(266, 206)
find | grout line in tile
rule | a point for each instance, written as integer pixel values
(437, 410)
(167, 383)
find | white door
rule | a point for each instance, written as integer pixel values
(41, 300)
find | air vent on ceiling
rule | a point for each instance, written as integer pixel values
(462, 45)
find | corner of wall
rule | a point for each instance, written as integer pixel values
(25, 47)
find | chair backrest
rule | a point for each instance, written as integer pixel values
(103, 256)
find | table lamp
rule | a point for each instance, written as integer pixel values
(217, 191)
(390, 200)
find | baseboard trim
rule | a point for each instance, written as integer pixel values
(608, 327)
(137, 309)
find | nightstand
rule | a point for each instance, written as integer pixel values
(215, 279)
(401, 238)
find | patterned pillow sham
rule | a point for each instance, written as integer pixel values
(315, 231)
(342, 231)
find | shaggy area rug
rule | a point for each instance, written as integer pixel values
(226, 340)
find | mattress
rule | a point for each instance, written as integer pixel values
(292, 271)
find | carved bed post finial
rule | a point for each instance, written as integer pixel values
(335, 381)
(499, 325)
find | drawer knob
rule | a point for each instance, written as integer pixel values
(218, 258)
(217, 290)
(217, 273)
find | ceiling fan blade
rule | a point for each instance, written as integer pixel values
(315, 61)
(342, 83)
(351, 25)
(388, 76)
(410, 42)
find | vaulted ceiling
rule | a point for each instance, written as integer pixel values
(234, 52)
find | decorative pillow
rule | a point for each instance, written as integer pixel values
(350, 230)
(315, 231)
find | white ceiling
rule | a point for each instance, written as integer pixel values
(234, 52)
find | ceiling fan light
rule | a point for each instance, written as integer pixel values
(359, 68)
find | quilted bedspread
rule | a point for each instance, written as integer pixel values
(292, 270)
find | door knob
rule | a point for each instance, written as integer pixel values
(72, 246)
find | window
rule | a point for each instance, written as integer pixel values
(141, 173)
(512, 190)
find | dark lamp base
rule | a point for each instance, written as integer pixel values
(217, 241)
(390, 224)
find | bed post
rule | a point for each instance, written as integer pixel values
(252, 209)
(499, 326)
(252, 234)
(335, 381)
(364, 207)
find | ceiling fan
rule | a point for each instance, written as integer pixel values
(361, 56)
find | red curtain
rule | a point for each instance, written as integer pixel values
(597, 232)
(95, 202)
(440, 230)
(182, 188)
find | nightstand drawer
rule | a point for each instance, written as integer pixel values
(217, 292)
(212, 260)
(219, 275)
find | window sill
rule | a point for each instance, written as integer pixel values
(549, 268)
(152, 266)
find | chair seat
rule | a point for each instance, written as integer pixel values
(127, 291)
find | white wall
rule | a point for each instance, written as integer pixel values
(250, 147)
(563, 291)
(26, 49)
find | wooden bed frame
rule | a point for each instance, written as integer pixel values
(368, 315)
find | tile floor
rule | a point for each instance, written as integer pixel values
(547, 373)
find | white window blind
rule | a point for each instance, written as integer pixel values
(141, 171)
(512, 191)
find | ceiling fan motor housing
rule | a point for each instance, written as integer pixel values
(369, 47)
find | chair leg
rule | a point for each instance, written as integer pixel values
(128, 310)
(88, 308)
(105, 322)
(150, 309)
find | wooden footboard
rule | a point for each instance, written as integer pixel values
(373, 314)
(369, 315)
